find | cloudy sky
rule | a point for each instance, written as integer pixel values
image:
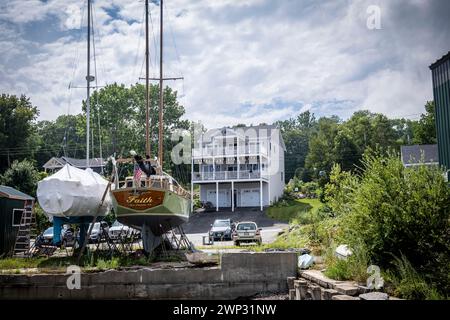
(246, 61)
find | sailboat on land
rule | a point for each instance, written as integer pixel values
(157, 203)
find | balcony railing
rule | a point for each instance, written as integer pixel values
(203, 152)
(228, 175)
(243, 150)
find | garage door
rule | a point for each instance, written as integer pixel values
(224, 198)
(250, 198)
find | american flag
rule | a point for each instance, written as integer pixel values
(137, 175)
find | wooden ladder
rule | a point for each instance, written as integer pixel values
(27, 231)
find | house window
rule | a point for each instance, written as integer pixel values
(17, 217)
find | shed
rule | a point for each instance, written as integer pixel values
(12, 205)
(441, 91)
(415, 155)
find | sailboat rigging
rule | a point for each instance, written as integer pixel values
(157, 203)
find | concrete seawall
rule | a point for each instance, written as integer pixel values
(239, 275)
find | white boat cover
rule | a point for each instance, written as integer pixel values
(73, 192)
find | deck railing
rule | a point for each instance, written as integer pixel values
(228, 175)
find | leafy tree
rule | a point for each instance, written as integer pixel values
(346, 153)
(370, 130)
(296, 134)
(425, 130)
(321, 157)
(66, 136)
(22, 176)
(404, 130)
(121, 112)
(16, 129)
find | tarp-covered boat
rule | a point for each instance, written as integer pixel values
(73, 192)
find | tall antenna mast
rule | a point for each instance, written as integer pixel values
(161, 101)
(89, 78)
(147, 92)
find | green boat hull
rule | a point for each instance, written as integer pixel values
(160, 210)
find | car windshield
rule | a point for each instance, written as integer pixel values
(117, 224)
(48, 231)
(96, 226)
(246, 226)
(221, 223)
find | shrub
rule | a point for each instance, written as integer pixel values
(395, 210)
(409, 284)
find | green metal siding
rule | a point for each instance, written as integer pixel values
(441, 92)
(8, 233)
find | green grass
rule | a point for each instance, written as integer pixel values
(91, 261)
(352, 268)
(19, 263)
(292, 210)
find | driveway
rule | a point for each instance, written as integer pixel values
(200, 223)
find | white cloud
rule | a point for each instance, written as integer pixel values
(243, 61)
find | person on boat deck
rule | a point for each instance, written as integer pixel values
(146, 166)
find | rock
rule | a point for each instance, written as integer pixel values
(316, 292)
(318, 277)
(344, 297)
(305, 261)
(290, 282)
(394, 298)
(342, 251)
(291, 294)
(301, 287)
(328, 294)
(364, 289)
(374, 296)
(347, 289)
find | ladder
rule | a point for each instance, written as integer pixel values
(27, 230)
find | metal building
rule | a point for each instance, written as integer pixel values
(441, 90)
(12, 205)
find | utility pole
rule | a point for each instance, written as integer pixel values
(161, 101)
(147, 89)
(88, 81)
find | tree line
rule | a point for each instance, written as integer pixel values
(118, 125)
(315, 145)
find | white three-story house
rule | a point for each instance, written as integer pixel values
(239, 166)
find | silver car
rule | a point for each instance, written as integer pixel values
(221, 229)
(245, 232)
(96, 233)
(120, 231)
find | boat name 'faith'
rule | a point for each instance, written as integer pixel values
(137, 200)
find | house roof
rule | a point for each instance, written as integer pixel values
(79, 163)
(254, 129)
(11, 193)
(440, 61)
(419, 154)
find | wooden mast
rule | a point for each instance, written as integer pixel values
(147, 93)
(161, 101)
(88, 80)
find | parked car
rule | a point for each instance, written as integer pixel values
(121, 231)
(247, 231)
(45, 238)
(69, 238)
(96, 233)
(221, 229)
